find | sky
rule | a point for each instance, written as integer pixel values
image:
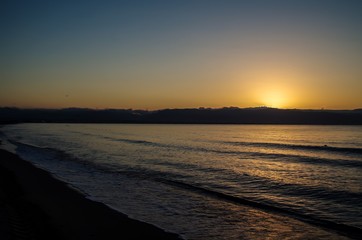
(181, 54)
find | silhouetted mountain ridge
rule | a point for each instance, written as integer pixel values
(226, 115)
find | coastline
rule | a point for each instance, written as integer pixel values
(35, 205)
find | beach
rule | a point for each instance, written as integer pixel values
(198, 181)
(35, 205)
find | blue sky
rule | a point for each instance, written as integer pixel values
(156, 54)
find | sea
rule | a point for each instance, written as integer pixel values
(209, 181)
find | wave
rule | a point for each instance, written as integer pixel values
(143, 142)
(260, 155)
(253, 181)
(178, 180)
(46, 154)
(343, 229)
(297, 147)
(258, 144)
(26, 147)
(229, 175)
(212, 190)
(307, 159)
(216, 191)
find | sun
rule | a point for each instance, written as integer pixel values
(274, 98)
(272, 85)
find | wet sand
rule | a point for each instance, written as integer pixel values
(34, 205)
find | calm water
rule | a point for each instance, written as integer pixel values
(210, 181)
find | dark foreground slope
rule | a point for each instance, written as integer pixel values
(199, 116)
(34, 205)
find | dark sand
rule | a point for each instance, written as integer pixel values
(34, 205)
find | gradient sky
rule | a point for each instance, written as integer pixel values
(177, 54)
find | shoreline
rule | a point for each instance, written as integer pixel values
(35, 205)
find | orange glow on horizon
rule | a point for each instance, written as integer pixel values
(274, 99)
(272, 86)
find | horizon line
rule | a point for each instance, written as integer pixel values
(184, 108)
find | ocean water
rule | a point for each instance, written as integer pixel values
(210, 181)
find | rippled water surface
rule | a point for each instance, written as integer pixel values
(210, 181)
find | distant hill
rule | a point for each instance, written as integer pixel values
(230, 115)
